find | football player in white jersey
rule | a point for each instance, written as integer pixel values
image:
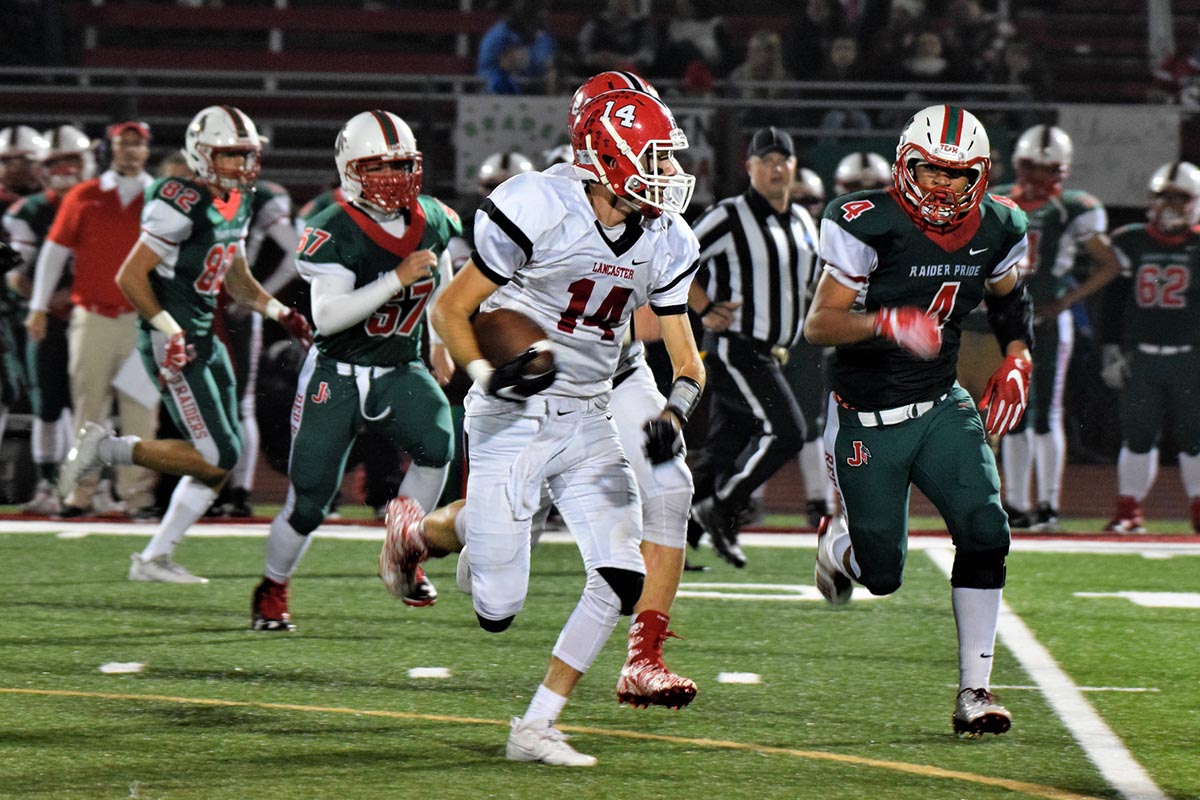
(578, 257)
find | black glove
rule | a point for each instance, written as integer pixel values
(664, 438)
(513, 382)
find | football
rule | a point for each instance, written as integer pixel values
(504, 334)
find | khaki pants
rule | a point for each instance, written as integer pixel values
(97, 347)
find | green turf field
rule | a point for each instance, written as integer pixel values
(853, 703)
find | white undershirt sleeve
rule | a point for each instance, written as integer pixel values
(336, 304)
(52, 260)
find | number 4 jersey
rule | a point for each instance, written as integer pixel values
(870, 244)
(196, 237)
(538, 238)
(342, 239)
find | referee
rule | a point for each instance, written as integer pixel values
(757, 254)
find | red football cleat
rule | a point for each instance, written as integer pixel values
(1128, 516)
(269, 607)
(645, 679)
(404, 549)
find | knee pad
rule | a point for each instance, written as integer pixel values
(306, 516)
(626, 584)
(882, 584)
(494, 625)
(983, 569)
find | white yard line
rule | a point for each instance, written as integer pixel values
(1099, 742)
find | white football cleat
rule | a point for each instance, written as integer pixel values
(833, 584)
(45, 502)
(160, 569)
(404, 549)
(976, 712)
(545, 743)
(82, 458)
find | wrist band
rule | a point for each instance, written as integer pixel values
(273, 309)
(707, 308)
(164, 322)
(480, 371)
(684, 397)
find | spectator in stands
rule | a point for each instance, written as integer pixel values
(97, 224)
(975, 41)
(618, 37)
(927, 62)
(518, 49)
(809, 35)
(844, 66)
(764, 62)
(690, 34)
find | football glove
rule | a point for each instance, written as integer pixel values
(1006, 396)
(1114, 369)
(664, 438)
(297, 326)
(912, 329)
(514, 383)
(178, 355)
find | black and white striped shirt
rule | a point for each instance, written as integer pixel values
(751, 253)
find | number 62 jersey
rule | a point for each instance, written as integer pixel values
(537, 236)
(197, 237)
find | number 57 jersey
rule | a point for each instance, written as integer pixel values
(196, 237)
(537, 236)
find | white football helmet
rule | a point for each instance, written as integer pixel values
(1174, 203)
(1042, 146)
(364, 142)
(561, 154)
(499, 167)
(949, 137)
(808, 190)
(21, 140)
(68, 158)
(863, 170)
(223, 130)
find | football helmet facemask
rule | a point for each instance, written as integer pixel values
(68, 158)
(863, 170)
(1042, 159)
(223, 130)
(949, 137)
(1174, 204)
(625, 139)
(365, 142)
(609, 81)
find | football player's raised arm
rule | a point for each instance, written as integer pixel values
(451, 316)
(830, 320)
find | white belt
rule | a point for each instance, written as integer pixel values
(362, 378)
(894, 416)
(1164, 349)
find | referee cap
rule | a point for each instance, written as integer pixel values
(771, 140)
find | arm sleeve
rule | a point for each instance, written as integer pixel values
(336, 304)
(23, 240)
(1088, 224)
(163, 229)
(848, 259)
(52, 260)
(1011, 260)
(670, 295)
(284, 235)
(446, 268)
(509, 222)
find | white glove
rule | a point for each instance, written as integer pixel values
(1114, 367)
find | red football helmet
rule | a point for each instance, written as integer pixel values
(609, 81)
(626, 139)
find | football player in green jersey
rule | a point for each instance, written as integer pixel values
(1061, 221)
(1152, 341)
(375, 261)
(903, 266)
(192, 243)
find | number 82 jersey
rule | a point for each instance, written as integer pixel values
(196, 236)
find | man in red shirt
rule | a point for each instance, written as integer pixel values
(98, 223)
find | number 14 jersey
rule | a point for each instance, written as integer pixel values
(537, 236)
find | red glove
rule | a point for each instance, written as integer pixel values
(296, 325)
(1006, 396)
(178, 355)
(912, 329)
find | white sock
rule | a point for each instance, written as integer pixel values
(976, 613)
(117, 450)
(1189, 473)
(285, 548)
(545, 705)
(41, 442)
(813, 470)
(843, 551)
(64, 433)
(424, 484)
(189, 501)
(1136, 473)
(1017, 453)
(1051, 451)
(242, 474)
